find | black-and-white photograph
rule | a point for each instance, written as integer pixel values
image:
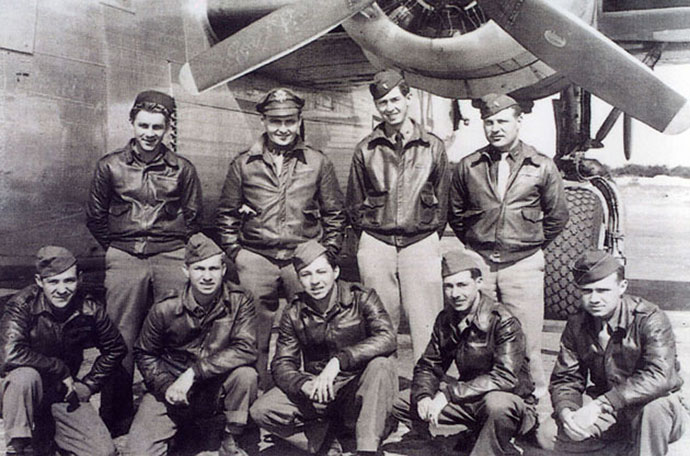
(344, 227)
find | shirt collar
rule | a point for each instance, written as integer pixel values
(164, 154)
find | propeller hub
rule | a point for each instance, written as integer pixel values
(435, 18)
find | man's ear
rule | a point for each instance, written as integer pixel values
(38, 280)
(337, 272)
(185, 271)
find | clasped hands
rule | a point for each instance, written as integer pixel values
(321, 388)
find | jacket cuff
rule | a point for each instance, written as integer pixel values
(345, 359)
(615, 399)
(297, 386)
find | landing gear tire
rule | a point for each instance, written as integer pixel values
(583, 232)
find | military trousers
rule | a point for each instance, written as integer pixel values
(28, 402)
(264, 278)
(520, 287)
(638, 431)
(156, 423)
(363, 401)
(132, 285)
(408, 278)
(497, 417)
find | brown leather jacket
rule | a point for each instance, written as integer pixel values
(531, 214)
(144, 208)
(489, 355)
(178, 334)
(308, 206)
(399, 198)
(355, 330)
(32, 336)
(638, 365)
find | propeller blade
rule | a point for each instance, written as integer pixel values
(627, 136)
(267, 39)
(592, 61)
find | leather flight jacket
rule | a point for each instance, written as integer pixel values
(32, 334)
(270, 214)
(356, 329)
(399, 197)
(144, 208)
(507, 229)
(638, 365)
(489, 353)
(179, 334)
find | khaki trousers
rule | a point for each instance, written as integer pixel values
(407, 277)
(26, 399)
(365, 400)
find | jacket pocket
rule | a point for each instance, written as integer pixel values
(531, 224)
(532, 214)
(429, 205)
(372, 209)
(118, 219)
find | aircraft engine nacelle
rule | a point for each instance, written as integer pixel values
(451, 49)
(446, 47)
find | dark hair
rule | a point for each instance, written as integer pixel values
(149, 107)
(475, 273)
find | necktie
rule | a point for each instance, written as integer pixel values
(604, 336)
(503, 173)
(399, 142)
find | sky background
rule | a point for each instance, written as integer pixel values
(649, 146)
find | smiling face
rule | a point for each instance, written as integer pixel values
(206, 276)
(460, 290)
(601, 298)
(393, 107)
(149, 129)
(502, 130)
(60, 288)
(318, 278)
(282, 130)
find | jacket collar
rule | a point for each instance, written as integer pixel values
(418, 135)
(520, 154)
(259, 148)
(166, 155)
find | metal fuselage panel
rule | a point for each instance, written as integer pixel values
(69, 76)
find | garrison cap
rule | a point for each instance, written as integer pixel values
(280, 102)
(307, 252)
(455, 261)
(156, 97)
(53, 260)
(594, 265)
(199, 247)
(384, 82)
(493, 103)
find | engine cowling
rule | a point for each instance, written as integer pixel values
(450, 48)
